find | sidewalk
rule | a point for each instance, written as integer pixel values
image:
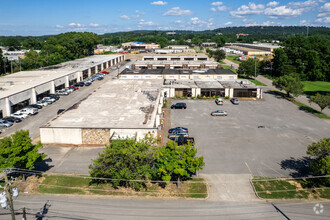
(302, 98)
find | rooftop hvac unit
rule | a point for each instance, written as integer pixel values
(9, 83)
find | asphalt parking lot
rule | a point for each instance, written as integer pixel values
(263, 138)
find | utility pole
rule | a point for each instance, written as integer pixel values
(9, 191)
(255, 67)
(24, 214)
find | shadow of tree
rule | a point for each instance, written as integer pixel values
(44, 166)
(298, 166)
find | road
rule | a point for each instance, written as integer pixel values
(87, 207)
(33, 123)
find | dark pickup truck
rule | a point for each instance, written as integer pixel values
(182, 140)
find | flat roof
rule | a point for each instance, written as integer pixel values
(116, 104)
(239, 83)
(179, 72)
(210, 84)
(25, 80)
(177, 83)
(83, 63)
(173, 62)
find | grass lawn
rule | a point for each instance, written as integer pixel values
(302, 106)
(63, 184)
(313, 87)
(233, 59)
(228, 67)
(272, 188)
(221, 62)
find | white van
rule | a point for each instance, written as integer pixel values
(28, 111)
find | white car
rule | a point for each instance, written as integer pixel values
(49, 100)
(42, 103)
(20, 115)
(62, 92)
(28, 111)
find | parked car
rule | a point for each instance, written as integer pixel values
(219, 113)
(127, 60)
(19, 115)
(182, 140)
(49, 100)
(219, 101)
(4, 123)
(55, 96)
(12, 119)
(179, 105)
(234, 101)
(28, 111)
(105, 72)
(79, 84)
(69, 90)
(87, 83)
(178, 129)
(42, 103)
(38, 106)
(62, 92)
(177, 134)
(74, 87)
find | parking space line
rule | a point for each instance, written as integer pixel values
(247, 165)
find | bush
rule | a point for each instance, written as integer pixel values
(226, 97)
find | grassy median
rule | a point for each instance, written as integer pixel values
(280, 188)
(65, 184)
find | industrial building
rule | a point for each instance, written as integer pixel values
(253, 49)
(206, 74)
(140, 46)
(27, 87)
(240, 88)
(175, 58)
(217, 82)
(119, 108)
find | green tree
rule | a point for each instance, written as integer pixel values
(124, 159)
(290, 84)
(321, 100)
(162, 41)
(320, 157)
(280, 62)
(12, 43)
(173, 162)
(32, 43)
(249, 68)
(219, 55)
(220, 40)
(17, 151)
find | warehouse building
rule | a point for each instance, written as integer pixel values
(108, 114)
(239, 88)
(202, 74)
(27, 87)
(253, 49)
(175, 58)
(164, 64)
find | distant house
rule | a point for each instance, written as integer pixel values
(209, 44)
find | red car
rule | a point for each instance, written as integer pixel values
(105, 72)
(74, 87)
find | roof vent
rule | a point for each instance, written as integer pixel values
(9, 83)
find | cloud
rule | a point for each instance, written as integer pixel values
(76, 25)
(283, 11)
(303, 22)
(216, 3)
(325, 20)
(324, 10)
(228, 23)
(177, 11)
(195, 21)
(59, 26)
(219, 8)
(159, 3)
(94, 25)
(273, 4)
(306, 4)
(146, 23)
(125, 17)
(178, 22)
(250, 9)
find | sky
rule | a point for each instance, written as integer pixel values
(46, 17)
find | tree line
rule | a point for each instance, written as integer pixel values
(57, 49)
